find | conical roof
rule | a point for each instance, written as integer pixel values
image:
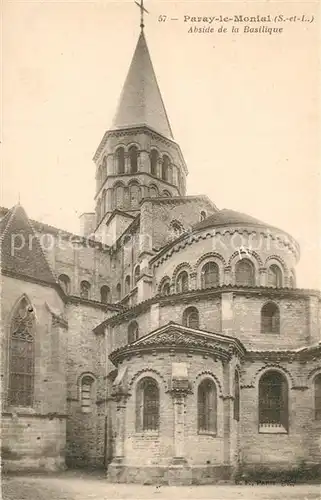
(141, 102)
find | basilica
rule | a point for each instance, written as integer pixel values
(168, 341)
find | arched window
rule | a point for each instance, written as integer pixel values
(21, 355)
(166, 288)
(120, 161)
(105, 294)
(127, 285)
(147, 400)
(133, 159)
(118, 291)
(165, 168)
(166, 194)
(176, 228)
(84, 289)
(203, 215)
(273, 400)
(182, 282)
(191, 317)
(153, 191)
(132, 333)
(136, 274)
(244, 273)
(317, 397)
(154, 156)
(236, 397)
(274, 276)
(210, 275)
(206, 406)
(270, 318)
(64, 282)
(135, 195)
(86, 388)
(104, 169)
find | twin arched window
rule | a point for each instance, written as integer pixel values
(244, 273)
(274, 276)
(270, 318)
(86, 393)
(191, 317)
(147, 405)
(182, 282)
(210, 275)
(64, 282)
(105, 297)
(207, 406)
(132, 333)
(84, 289)
(317, 397)
(22, 356)
(273, 400)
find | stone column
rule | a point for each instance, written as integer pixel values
(179, 423)
(120, 429)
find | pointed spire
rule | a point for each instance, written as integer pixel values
(141, 102)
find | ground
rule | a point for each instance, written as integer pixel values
(75, 486)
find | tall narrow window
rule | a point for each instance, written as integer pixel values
(203, 215)
(84, 289)
(21, 355)
(120, 161)
(133, 158)
(270, 318)
(166, 288)
(274, 276)
(165, 168)
(103, 203)
(118, 291)
(210, 275)
(154, 156)
(136, 274)
(191, 317)
(206, 406)
(132, 333)
(236, 397)
(87, 385)
(127, 285)
(273, 401)
(64, 282)
(317, 397)
(147, 395)
(182, 282)
(105, 294)
(244, 273)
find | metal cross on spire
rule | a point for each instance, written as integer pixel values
(142, 10)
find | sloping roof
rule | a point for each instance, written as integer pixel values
(228, 217)
(141, 102)
(21, 252)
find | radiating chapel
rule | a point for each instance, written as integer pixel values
(168, 342)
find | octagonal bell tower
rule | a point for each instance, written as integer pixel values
(138, 157)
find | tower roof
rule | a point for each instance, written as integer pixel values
(141, 102)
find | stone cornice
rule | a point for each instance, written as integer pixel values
(73, 299)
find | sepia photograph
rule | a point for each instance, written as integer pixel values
(160, 237)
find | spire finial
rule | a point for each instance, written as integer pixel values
(142, 10)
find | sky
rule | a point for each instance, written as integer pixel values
(244, 107)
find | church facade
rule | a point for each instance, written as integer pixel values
(168, 342)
